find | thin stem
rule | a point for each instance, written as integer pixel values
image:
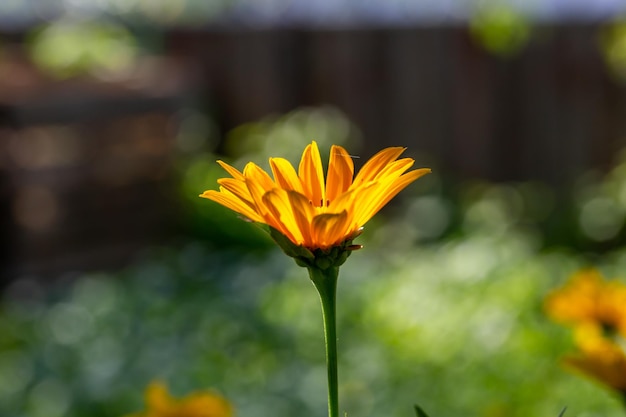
(326, 283)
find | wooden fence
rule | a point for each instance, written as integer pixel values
(547, 113)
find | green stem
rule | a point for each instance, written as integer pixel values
(325, 280)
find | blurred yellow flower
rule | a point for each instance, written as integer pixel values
(311, 211)
(588, 300)
(160, 403)
(596, 309)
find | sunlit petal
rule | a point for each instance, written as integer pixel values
(340, 173)
(303, 214)
(311, 174)
(395, 169)
(344, 202)
(285, 175)
(377, 163)
(233, 203)
(253, 172)
(375, 197)
(236, 187)
(231, 170)
(330, 228)
(283, 219)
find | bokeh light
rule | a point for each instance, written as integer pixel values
(500, 29)
(69, 48)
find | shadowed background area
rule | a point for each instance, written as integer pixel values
(114, 272)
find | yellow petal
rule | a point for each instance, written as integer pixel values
(401, 183)
(303, 215)
(236, 187)
(370, 199)
(282, 216)
(258, 183)
(330, 229)
(340, 173)
(231, 170)
(394, 169)
(255, 173)
(285, 175)
(344, 202)
(376, 163)
(311, 175)
(234, 203)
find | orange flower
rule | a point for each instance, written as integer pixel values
(312, 211)
(590, 301)
(160, 403)
(596, 309)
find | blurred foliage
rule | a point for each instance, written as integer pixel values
(455, 325)
(500, 29)
(613, 46)
(443, 306)
(69, 48)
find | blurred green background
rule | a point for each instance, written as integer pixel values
(115, 273)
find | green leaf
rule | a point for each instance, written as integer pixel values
(419, 412)
(562, 413)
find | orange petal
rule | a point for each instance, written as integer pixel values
(311, 174)
(234, 172)
(258, 183)
(377, 163)
(394, 169)
(255, 173)
(340, 173)
(330, 229)
(236, 187)
(234, 203)
(285, 175)
(278, 204)
(373, 198)
(303, 214)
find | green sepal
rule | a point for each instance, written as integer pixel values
(322, 259)
(323, 262)
(419, 412)
(289, 247)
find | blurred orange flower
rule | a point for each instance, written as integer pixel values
(160, 403)
(590, 301)
(596, 309)
(310, 210)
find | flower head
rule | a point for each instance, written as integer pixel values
(596, 310)
(311, 210)
(588, 300)
(160, 403)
